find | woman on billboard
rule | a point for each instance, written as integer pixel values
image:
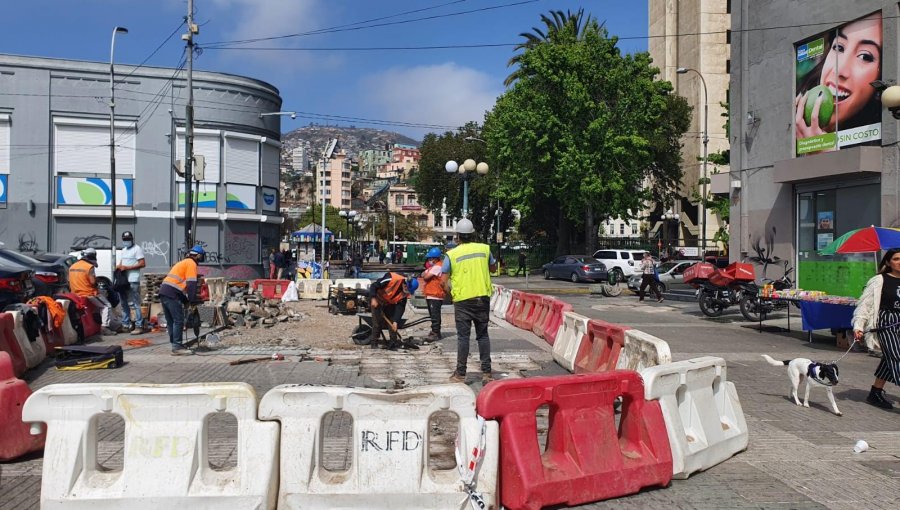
(836, 95)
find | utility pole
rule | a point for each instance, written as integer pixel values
(112, 147)
(189, 129)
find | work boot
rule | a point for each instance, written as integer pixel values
(182, 351)
(108, 332)
(876, 398)
(458, 378)
(432, 337)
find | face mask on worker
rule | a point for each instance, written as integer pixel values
(128, 244)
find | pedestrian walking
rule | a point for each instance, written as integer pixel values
(523, 260)
(388, 302)
(649, 277)
(279, 264)
(879, 308)
(381, 257)
(434, 291)
(131, 261)
(180, 288)
(273, 269)
(469, 265)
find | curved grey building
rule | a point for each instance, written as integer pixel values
(55, 160)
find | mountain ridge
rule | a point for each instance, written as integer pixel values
(352, 139)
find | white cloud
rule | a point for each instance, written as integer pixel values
(442, 94)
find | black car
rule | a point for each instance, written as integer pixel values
(575, 268)
(15, 284)
(49, 278)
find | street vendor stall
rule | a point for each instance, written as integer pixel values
(817, 309)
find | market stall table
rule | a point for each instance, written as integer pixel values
(816, 314)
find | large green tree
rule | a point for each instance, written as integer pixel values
(584, 133)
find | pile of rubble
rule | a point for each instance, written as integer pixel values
(247, 309)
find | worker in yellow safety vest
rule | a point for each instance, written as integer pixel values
(469, 266)
(178, 288)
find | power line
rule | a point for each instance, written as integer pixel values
(325, 30)
(154, 52)
(376, 25)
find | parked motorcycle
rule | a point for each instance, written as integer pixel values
(755, 309)
(718, 289)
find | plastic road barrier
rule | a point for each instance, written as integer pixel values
(568, 339)
(270, 289)
(599, 351)
(353, 283)
(587, 458)
(388, 451)
(34, 351)
(218, 288)
(643, 350)
(89, 314)
(516, 302)
(495, 294)
(527, 311)
(15, 440)
(703, 415)
(552, 320)
(166, 447)
(313, 289)
(10, 344)
(70, 336)
(502, 304)
(539, 317)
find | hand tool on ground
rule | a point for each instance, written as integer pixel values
(275, 357)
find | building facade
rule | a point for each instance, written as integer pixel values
(300, 158)
(796, 182)
(337, 180)
(692, 35)
(55, 161)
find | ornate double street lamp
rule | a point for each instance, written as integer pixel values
(469, 167)
(667, 216)
(349, 216)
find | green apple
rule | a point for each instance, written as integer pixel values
(825, 111)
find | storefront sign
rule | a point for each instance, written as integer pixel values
(93, 191)
(835, 106)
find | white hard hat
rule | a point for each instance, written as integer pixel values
(464, 226)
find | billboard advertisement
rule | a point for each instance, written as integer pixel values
(93, 191)
(836, 107)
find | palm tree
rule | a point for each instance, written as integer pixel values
(558, 25)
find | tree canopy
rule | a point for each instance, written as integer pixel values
(584, 133)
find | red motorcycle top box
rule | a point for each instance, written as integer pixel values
(699, 271)
(741, 272)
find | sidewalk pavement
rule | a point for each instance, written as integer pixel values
(798, 457)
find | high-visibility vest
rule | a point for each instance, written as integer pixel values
(181, 273)
(433, 286)
(469, 273)
(82, 280)
(392, 293)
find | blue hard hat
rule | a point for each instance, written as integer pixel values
(197, 249)
(412, 284)
(433, 253)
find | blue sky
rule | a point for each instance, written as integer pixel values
(444, 87)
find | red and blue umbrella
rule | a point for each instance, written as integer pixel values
(864, 240)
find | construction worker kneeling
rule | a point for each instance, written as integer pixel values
(388, 296)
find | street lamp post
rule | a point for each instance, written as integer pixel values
(667, 216)
(465, 170)
(683, 70)
(112, 146)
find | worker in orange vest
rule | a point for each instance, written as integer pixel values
(83, 282)
(388, 296)
(180, 287)
(434, 291)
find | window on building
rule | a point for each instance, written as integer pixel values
(399, 200)
(207, 142)
(621, 229)
(634, 228)
(241, 159)
(81, 145)
(411, 199)
(4, 159)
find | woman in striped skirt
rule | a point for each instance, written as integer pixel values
(879, 308)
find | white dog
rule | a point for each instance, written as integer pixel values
(824, 374)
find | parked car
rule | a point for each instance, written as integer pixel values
(49, 278)
(575, 268)
(670, 273)
(622, 262)
(66, 259)
(15, 284)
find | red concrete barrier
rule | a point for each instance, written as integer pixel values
(587, 457)
(515, 303)
(16, 440)
(599, 351)
(10, 345)
(555, 319)
(523, 318)
(270, 289)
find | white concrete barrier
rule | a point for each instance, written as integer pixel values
(70, 336)
(313, 289)
(388, 447)
(643, 350)
(33, 351)
(352, 283)
(495, 295)
(568, 339)
(502, 303)
(703, 414)
(166, 447)
(218, 288)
